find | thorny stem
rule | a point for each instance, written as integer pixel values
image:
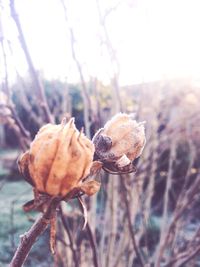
(137, 252)
(29, 238)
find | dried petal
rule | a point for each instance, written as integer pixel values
(90, 188)
(84, 211)
(23, 163)
(96, 167)
(123, 161)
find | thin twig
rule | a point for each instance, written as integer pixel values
(112, 54)
(179, 210)
(93, 245)
(10, 104)
(71, 242)
(37, 82)
(137, 252)
(92, 241)
(182, 258)
(191, 255)
(160, 249)
(87, 109)
(112, 199)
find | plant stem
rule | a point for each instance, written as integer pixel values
(93, 245)
(29, 238)
(91, 238)
(132, 234)
(71, 242)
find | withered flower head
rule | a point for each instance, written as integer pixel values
(59, 159)
(120, 141)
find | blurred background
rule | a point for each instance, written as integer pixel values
(91, 59)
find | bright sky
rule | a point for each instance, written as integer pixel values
(153, 38)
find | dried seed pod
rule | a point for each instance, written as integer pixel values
(60, 157)
(120, 141)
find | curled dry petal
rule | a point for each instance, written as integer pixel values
(59, 159)
(121, 140)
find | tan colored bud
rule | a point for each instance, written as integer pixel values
(59, 159)
(121, 140)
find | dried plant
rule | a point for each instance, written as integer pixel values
(119, 143)
(58, 164)
(147, 213)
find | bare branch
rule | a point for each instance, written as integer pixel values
(127, 204)
(87, 109)
(93, 245)
(37, 82)
(112, 54)
(166, 205)
(92, 242)
(71, 242)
